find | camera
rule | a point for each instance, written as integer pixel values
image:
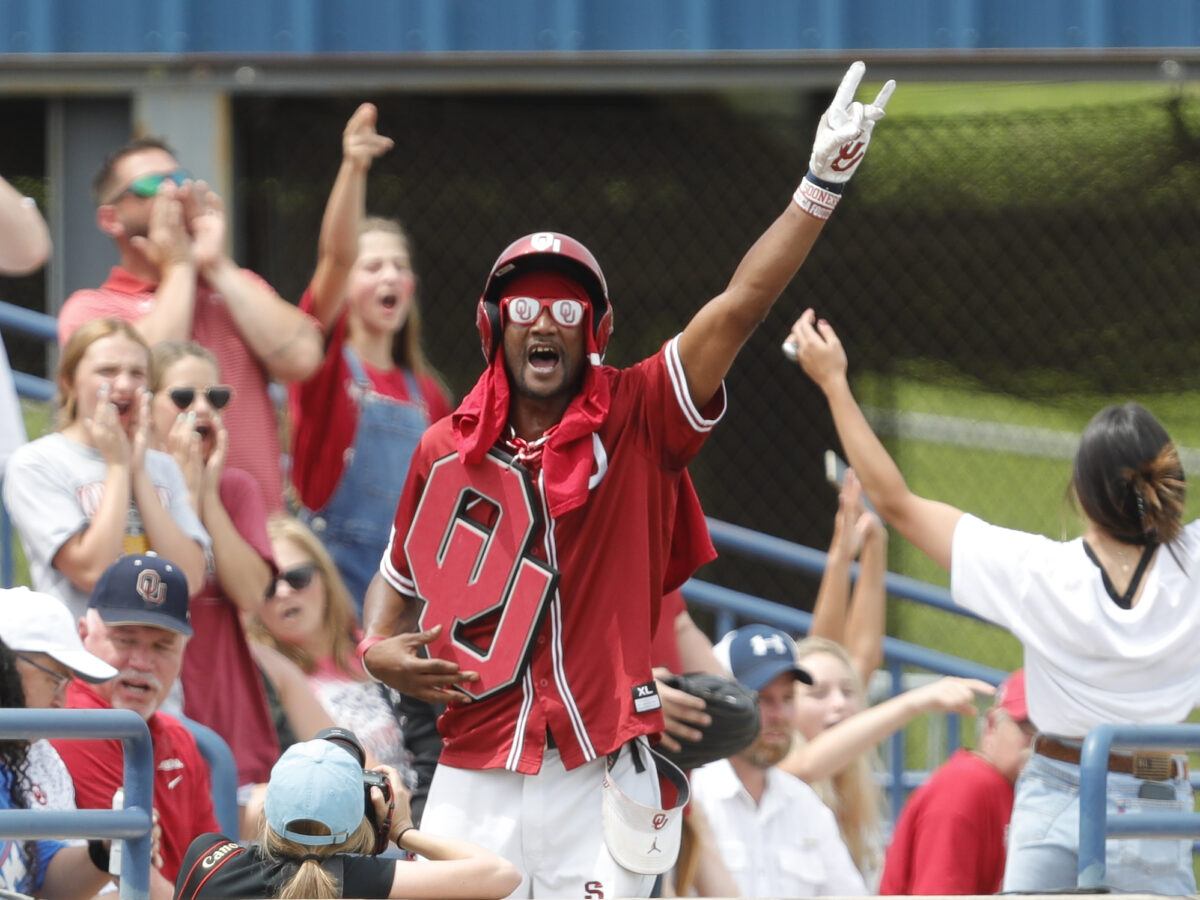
(348, 741)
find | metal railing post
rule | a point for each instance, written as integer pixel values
(132, 824)
(896, 788)
(1095, 826)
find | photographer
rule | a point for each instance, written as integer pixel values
(317, 835)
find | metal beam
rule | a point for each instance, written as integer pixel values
(90, 74)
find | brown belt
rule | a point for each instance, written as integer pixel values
(1156, 766)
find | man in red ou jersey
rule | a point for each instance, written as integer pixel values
(537, 531)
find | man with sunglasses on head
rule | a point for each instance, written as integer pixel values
(137, 621)
(175, 281)
(537, 532)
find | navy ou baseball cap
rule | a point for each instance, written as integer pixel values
(143, 590)
(757, 654)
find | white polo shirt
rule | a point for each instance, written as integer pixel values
(1087, 660)
(786, 846)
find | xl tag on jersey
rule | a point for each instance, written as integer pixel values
(645, 697)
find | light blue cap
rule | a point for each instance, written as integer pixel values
(316, 781)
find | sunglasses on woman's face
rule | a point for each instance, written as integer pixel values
(218, 395)
(147, 186)
(298, 578)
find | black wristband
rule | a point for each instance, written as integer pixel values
(98, 854)
(834, 187)
(403, 831)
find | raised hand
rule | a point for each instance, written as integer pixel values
(205, 214)
(216, 460)
(396, 663)
(167, 242)
(105, 430)
(818, 350)
(361, 144)
(845, 129)
(140, 425)
(952, 695)
(184, 445)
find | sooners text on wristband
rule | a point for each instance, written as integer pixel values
(815, 200)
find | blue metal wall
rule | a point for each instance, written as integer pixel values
(432, 26)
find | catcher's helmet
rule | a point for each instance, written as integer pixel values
(546, 250)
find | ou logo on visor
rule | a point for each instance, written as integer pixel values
(477, 575)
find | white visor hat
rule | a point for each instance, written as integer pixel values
(641, 838)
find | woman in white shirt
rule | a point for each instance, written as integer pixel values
(1107, 621)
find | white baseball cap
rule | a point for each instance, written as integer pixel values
(32, 622)
(645, 839)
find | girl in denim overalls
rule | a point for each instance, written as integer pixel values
(356, 422)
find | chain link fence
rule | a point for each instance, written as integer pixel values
(996, 278)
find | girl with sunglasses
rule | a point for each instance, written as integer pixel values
(357, 420)
(96, 489)
(188, 424)
(308, 617)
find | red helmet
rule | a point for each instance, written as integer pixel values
(546, 250)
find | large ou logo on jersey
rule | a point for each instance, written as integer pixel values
(466, 571)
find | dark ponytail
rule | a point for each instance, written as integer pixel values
(1128, 477)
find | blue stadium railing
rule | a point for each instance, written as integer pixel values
(131, 824)
(1095, 824)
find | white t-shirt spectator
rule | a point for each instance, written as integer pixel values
(1087, 660)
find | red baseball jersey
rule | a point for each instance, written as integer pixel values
(182, 791)
(557, 614)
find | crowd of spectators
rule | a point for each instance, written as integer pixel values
(170, 579)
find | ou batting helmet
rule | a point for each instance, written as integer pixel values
(546, 251)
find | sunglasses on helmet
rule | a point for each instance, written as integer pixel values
(218, 395)
(567, 312)
(148, 185)
(298, 578)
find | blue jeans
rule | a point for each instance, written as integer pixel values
(1043, 836)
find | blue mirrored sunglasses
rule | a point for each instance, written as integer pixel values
(148, 185)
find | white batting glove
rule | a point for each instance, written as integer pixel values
(845, 129)
(841, 142)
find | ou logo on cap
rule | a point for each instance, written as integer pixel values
(150, 587)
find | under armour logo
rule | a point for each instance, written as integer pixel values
(762, 644)
(849, 156)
